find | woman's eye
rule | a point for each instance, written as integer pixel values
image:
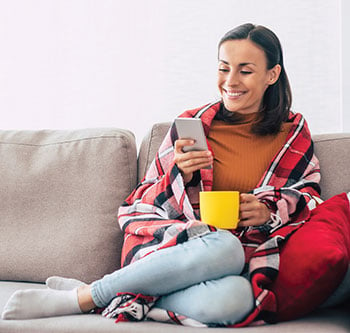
(223, 70)
(246, 72)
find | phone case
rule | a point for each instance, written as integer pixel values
(191, 128)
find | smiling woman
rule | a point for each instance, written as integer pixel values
(252, 76)
(243, 75)
(189, 267)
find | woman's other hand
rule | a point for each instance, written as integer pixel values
(252, 211)
(191, 161)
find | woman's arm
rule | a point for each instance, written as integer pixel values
(290, 186)
(160, 211)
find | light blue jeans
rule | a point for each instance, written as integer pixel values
(199, 279)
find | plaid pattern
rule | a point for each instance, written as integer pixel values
(129, 307)
(161, 315)
(163, 212)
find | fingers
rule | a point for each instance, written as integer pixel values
(181, 143)
(193, 160)
(252, 211)
(248, 202)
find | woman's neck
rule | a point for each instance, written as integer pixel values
(235, 117)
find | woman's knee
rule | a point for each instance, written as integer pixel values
(224, 245)
(211, 256)
(231, 300)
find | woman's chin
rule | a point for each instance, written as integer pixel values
(230, 107)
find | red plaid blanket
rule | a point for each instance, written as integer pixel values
(163, 212)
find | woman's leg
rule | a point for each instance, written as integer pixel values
(209, 257)
(223, 301)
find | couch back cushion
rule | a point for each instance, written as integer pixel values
(59, 196)
(333, 151)
(149, 147)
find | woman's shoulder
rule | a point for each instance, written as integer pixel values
(298, 122)
(295, 117)
(200, 111)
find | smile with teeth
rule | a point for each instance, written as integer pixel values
(234, 94)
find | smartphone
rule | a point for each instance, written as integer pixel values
(191, 128)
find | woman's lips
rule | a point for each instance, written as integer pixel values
(233, 94)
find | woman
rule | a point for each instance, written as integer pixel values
(259, 148)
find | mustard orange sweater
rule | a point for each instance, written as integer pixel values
(240, 157)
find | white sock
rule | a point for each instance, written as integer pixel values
(61, 283)
(39, 303)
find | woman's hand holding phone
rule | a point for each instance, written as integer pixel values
(191, 161)
(191, 150)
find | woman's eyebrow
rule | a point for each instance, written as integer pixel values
(246, 64)
(240, 65)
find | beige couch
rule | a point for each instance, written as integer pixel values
(59, 196)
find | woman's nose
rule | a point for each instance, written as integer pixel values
(232, 79)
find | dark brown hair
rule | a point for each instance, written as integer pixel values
(277, 99)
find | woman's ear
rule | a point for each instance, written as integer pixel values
(274, 74)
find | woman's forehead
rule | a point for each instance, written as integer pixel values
(241, 51)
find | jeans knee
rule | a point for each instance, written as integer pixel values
(228, 247)
(242, 302)
(232, 301)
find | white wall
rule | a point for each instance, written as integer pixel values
(105, 63)
(346, 64)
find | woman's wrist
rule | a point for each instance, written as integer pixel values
(187, 177)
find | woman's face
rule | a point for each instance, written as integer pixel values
(243, 76)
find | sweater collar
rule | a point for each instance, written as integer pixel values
(235, 117)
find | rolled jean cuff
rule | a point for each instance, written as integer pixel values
(96, 295)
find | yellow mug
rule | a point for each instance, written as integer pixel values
(220, 208)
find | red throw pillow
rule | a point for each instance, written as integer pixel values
(314, 260)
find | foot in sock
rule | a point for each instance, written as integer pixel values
(40, 303)
(61, 283)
